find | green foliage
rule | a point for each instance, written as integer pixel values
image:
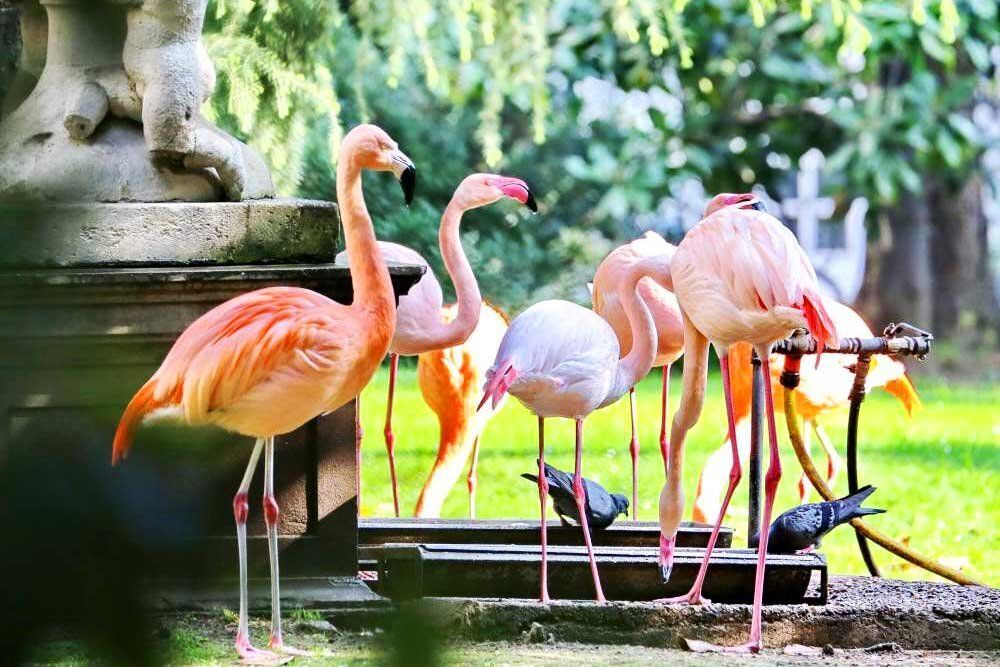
(272, 83)
(633, 98)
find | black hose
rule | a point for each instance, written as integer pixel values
(856, 398)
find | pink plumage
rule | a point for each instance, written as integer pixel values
(420, 325)
(740, 277)
(746, 279)
(666, 314)
(562, 360)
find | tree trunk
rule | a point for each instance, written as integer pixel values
(965, 305)
(903, 285)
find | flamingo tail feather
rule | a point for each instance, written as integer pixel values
(820, 323)
(904, 390)
(141, 405)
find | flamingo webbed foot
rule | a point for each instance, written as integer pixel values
(255, 656)
(698, 646)
(687, 598)
(279, 646)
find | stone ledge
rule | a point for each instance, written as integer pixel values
(861, 612)
(170, 233)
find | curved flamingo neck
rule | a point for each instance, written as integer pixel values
(369, 275)
(456, 263)
(636, 364)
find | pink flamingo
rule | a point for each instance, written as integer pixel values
(739, 276)
(420, 326)
(823, 388)
(562, 360)
(450, 381)
(662, 305)
(265, 363)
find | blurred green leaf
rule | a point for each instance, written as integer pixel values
(950, 149)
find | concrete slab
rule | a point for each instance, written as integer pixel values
(861, 612)
(169, 233)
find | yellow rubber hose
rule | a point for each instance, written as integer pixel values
(875, 536)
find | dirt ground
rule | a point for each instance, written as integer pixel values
(202, 640)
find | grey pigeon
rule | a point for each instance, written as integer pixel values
(602, 507)
(802, 527)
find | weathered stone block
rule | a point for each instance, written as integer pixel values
(175, 233)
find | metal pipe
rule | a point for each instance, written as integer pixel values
(897, 339)
(790, 381)
(857, 397)
(756, 435)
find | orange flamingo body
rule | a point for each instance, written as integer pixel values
(823, 388)
(451, 381)
(265, 363)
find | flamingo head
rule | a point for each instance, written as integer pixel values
(748, 200)
(483, 189)
(372, 148)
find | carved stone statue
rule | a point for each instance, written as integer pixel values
(114, 115)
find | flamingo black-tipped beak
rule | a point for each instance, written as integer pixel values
(408, 181)
(404, 170)
(530, 203)
(757, 205)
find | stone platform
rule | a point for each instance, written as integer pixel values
(92, 296)
(861, 612)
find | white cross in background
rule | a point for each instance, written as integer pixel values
(841, 268)
(809, 208)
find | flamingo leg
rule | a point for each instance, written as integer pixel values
(735, 473)
(833, 462)
(390, 438)
(581, 501)
(543, 493)
(633, 449)
(271, 515)
(473, 480)
(771, 479)
(241, 508)
(665, 416)
(359, 434)
(804, 485)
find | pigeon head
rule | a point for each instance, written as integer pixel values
(621, 503)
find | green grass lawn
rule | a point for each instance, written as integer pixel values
(936, 473)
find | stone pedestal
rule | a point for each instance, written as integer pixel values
(77, 342)
(266, 231)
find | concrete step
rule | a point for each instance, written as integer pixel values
(407, 571)
(374, 532)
